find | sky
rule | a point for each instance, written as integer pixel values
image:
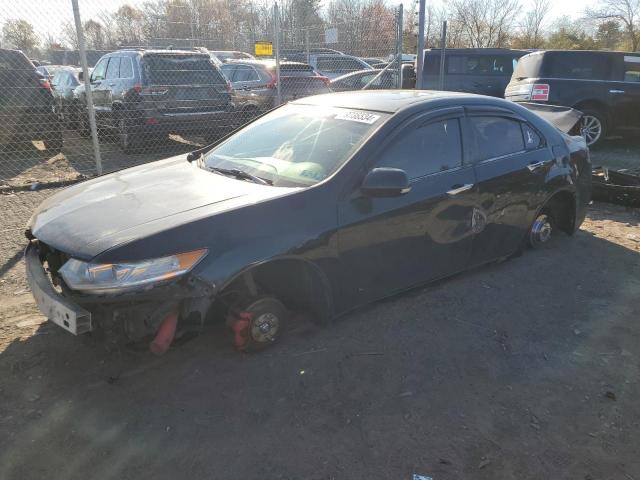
(47, 15)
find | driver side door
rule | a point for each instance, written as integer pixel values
(388, 244)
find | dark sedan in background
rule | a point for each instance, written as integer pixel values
(324, 204)
(372, 79)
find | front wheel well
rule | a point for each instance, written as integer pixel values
(300, 285)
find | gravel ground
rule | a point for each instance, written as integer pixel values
(526, 369)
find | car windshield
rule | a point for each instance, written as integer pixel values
(296, 145)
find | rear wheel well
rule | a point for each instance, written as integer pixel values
(562, 208)
(298, 284)
(593, 105)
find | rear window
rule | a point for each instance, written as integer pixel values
(577, 65)
(300, 70)
(471, 64)
(528, 67)
(181, 70)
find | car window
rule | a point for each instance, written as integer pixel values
(245, 74)
(631, 68)
(228, 71)
(126, 67)
(56, 80)
(428, 149)
(532, 139)
(496, 137)
(296, 145)
(474, 65)
(577, 65)
(182, 69)
(113, 70)
(99, 70)
(338, 64)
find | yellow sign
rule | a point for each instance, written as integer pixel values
(264, 49)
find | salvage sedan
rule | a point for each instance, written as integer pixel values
(322, 205)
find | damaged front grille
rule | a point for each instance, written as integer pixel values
(52, 260)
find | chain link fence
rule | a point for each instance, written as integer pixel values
(166, 77)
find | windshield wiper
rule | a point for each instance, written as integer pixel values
(240, 174)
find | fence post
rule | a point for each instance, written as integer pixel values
(443, 48)
(276, 35)
(420, 52)
(306, 43)
(87, 86)
(399, 22)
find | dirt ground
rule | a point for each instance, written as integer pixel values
(526, 369)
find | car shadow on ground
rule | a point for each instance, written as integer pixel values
(526, 369)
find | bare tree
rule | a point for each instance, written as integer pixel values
(531, 34)
(20, 34)
(485, 23)
(627, 12)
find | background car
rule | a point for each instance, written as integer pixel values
(27, 105)
(64, 82)
(254, 83)
(372, 60)
(226, 55)
(605, 86)
(329, 63)
(485, 71)
(48, 71)
(146, 93)
(376, 79)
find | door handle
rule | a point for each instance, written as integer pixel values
(112, 84)
(535, 165)
(618, 92)
(456, 189)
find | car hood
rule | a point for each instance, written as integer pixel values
(86, 219)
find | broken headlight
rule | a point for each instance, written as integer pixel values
(115, 277)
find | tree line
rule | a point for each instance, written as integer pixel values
(361, 27)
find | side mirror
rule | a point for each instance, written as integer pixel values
(81, 75)
(385, 182)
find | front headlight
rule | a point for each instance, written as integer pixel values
(112, 277)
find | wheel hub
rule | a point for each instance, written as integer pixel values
(591, 129)
(541, 230)
(265, 327)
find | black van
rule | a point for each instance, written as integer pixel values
(485, 71)
(605, 86)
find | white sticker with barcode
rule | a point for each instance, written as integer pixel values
(355, 116)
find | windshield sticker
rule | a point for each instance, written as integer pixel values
(361, 117)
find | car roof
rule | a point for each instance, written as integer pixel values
(264, 63)
(599, 52)
(389, 101)
(477, 51)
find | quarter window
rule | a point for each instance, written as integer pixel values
(531, 138)
(631, 69)
(496, 137)
(428, 149)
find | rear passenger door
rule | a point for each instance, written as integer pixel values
(511, 162)
(625, 92)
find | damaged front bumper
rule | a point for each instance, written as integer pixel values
(51, 303)
(131, 315)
